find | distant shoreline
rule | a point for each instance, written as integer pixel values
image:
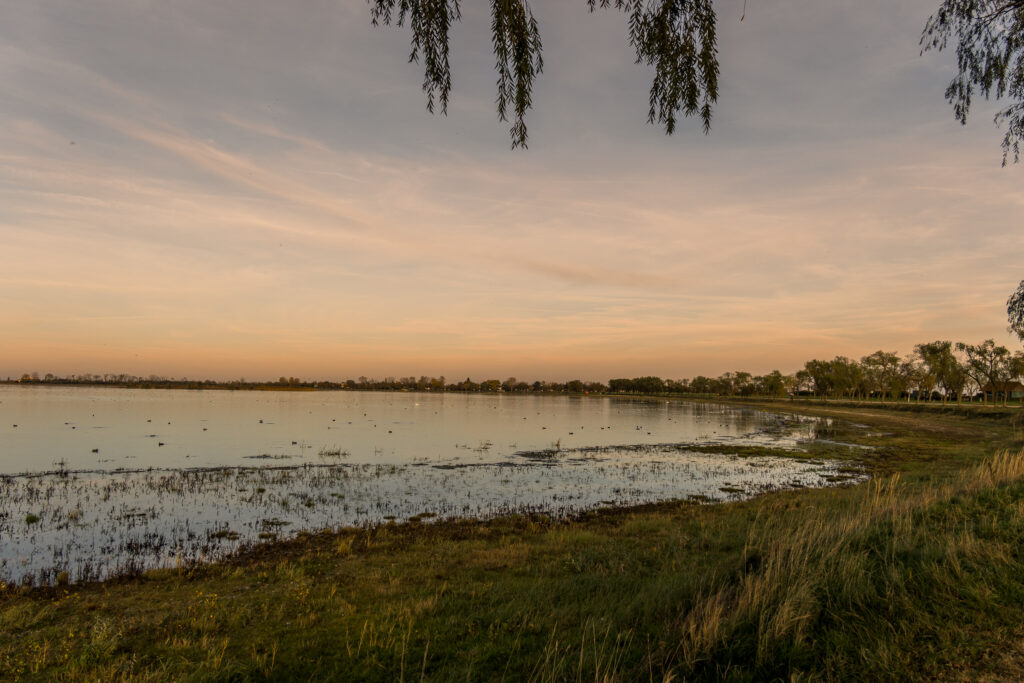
(904, 404)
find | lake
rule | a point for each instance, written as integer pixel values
(97, 481)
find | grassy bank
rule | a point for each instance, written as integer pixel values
(917, 574)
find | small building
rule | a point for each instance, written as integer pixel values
(994, 392)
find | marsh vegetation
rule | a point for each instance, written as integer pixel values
(912, 575)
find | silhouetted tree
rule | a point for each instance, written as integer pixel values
(989, 365)
(989, 36)
(676, 37)
(1015, 311)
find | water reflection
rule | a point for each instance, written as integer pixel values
(107, 429)
(327, 460)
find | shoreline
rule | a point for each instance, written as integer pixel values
(678, 588)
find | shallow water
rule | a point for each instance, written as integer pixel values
(238, 467)
(60, 427)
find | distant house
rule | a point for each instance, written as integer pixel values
(1014, 391)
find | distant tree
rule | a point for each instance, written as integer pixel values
(1016, 368)
(819, 374)
(909, 374)
(773, 384)
(743, 383)
(700, 385)
(1015, 311)
(619, 385)
(802, 381)
(836, 377)
(1006, 370)
(676, 386)
(956, 379)
(989, 36)
(722, 385)
(649, 385)
(468, 385)
(989, 365)
(972, 368)
(942, 367)
(884, 368)
(845, 374)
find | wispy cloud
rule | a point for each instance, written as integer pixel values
(289, 205)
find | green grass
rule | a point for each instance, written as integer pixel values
(915, 575)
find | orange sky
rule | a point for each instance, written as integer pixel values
(188, 194)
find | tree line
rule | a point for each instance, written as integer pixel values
(935, 371)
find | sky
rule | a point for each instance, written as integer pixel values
(254, 188)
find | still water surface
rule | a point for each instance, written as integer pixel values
(127, 479)
(63, 426)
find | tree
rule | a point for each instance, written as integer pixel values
(1016, 368)
(845, 375)
(839, 376)
(774, 384)
(989, 365)
(884, 369)
(700, 385)
(649, 385)
(956, 379)
(942, 367)
(909, 373)
(742, 383)
(1015, 311)
(989, 36)
(802, 381)
(819, 374)
(676, 37)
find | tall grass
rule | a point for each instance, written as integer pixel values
(865, 568)
(895, 579)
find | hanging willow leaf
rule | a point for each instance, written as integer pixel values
(989, 37)
(675, 37)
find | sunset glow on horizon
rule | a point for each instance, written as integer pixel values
(240, 189)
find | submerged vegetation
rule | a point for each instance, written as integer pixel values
(915, 574)
(97, 524)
